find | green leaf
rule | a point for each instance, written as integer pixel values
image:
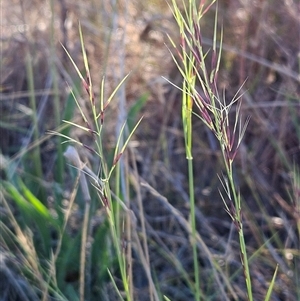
(22, 203)
(68, 260)
(39, 207)
(135, 110)
(270, 289)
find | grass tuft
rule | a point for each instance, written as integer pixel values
(130, 168)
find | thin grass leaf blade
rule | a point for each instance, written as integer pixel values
(271, 286)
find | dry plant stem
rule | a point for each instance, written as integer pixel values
(83, 254)
(198, 240)
(6, 273)
(284, 70)
(52, 274)
(128, 248)
(143, 251)
(25, 241)
(72, 155)
(152, 289)
(57, 105)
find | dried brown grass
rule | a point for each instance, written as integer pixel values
(265, 30)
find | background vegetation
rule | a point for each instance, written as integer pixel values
(123, 229)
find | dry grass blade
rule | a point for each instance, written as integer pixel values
(200, 243)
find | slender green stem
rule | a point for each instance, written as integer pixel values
(243, 250)
(187, 107)
(239, 223)
(120, 252)
(194, 231)
(187, 104)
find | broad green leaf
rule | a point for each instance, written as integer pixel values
(22, 203)
(34, 201)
